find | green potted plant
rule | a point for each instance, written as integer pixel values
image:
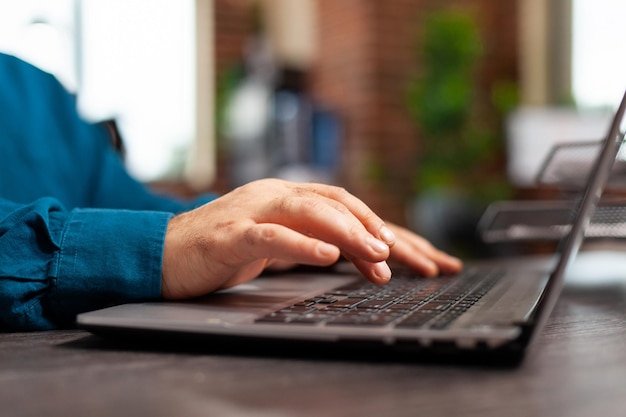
(458, 169)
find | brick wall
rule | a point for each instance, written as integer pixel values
(233, 24)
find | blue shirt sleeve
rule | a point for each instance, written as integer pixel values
(55, 263)
(77, 232)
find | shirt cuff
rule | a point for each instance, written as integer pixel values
(107, 257)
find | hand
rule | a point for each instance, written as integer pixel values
(410, 250)
(233, 239)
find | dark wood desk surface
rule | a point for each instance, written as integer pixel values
(578, 368)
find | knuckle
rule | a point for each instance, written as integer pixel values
(339, 206)
(370, 217)
(355, 230)
(313, 205)
(299, 203)
(340, 192)
(284, 205)
(259, 235)
(266, 234)
(250, 237)
(300, 191)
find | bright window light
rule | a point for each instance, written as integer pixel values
(599, 61)
(132, 61)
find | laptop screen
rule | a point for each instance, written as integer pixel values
(598, 177)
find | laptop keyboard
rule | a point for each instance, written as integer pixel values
(405, 302)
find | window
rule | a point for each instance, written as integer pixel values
(598, 58)
(132, 61)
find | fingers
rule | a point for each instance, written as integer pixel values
(279, 246)
(420, 255)
(329, 220)
(333, 215)
(414, 252)
(372, 223)
(273, 241)
(378, 272)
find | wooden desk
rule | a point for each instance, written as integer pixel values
(578, 368)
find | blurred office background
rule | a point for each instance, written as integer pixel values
(426, 109)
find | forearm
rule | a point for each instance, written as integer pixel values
(57, 263)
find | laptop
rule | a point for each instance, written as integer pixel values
(494, 309)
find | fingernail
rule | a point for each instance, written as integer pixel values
(386, 235)
(456, 260)
(377, 245)
(382, 271)
(432, 267)
(326, 249)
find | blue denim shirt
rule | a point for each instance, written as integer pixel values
(76, 231)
